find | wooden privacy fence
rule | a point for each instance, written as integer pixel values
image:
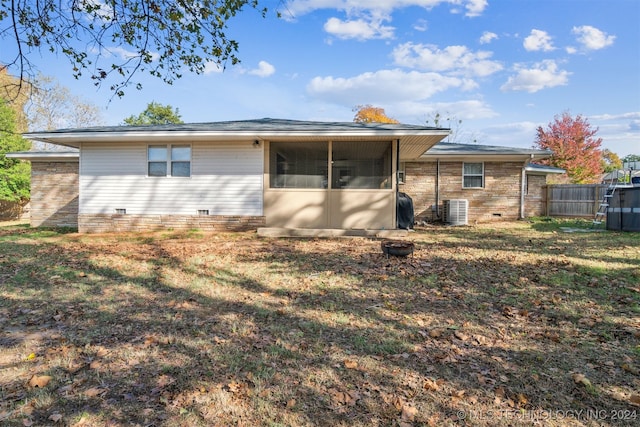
(574, 199)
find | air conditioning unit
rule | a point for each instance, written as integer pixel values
(455, 211)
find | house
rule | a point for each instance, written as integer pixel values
(241, 175)
(498, 182)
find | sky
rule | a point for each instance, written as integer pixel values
(496, 69)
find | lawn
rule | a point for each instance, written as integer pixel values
(500, 325)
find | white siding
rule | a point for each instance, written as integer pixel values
(226, 179)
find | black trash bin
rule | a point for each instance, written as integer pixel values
(405, 212)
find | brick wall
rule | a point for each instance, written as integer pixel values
(54, 194)
(103, 223)
(498, 200)
(535, 199)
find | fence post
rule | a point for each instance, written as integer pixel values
(546, 202)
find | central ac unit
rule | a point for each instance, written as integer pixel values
(455, 211)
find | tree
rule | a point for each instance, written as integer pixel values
(15, 96)
(370, 114)
(610, 161)
(456, 130)
(155, 114)
(574, 146)
(631, 158)
(161, 37)
(14, 173)
(53, 106)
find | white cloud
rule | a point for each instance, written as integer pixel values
(212, 67)
(295, 8)
(515, 134)
(264, 70)
(472, 109)
(456, 59)
(592, 38)
(538, 40)
(421, 25)
(359, 29)
(635, 115)
(384, 86)
(475, 7)
(488, 37)
(122, 53)
(543, 75)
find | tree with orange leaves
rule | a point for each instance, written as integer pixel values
(575, 147)
(370, 114)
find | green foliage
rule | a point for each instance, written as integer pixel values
(161, 37)
(14, 173)
(610, 161)
(631, 158)
(155, 114)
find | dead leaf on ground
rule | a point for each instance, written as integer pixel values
(39, 381)
(435, 333)
(342, 398)
(94, 391)
(350, 364)
(460, 336)
(581, 379)
(635, 399)
(430, 384)
(408, 414)
(55, 417)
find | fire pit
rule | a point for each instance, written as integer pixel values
(396, 247)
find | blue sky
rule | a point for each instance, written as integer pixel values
(503, 67)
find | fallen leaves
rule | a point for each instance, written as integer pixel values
(166, 330)
(579, 378)
(350, 364)
(39, 381)
(341, 398)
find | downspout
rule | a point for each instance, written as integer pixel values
(437, 188)
(523, 186)
(397, 180)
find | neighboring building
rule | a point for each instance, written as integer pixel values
(243, 175)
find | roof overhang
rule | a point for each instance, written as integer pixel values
(414, 140)
(45, 156)
(451, 152)
(534, 169)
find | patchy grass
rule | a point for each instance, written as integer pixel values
(508, 324)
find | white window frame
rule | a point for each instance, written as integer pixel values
(402, 174)
(169, 160)
(464, 175)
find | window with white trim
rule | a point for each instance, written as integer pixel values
(402, 173)
(169, 160)
(472, 175)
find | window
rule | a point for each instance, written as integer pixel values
(157, 155)
(299, 164)
(361, 165)
(472, 175)
(180, 160)
(173, 159)
(402, 173)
